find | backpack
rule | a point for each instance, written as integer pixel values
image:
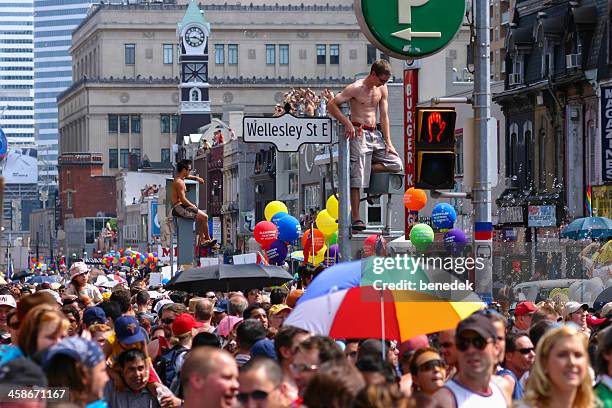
(165, 366)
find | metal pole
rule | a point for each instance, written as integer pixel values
(482, 114)
(344, 216)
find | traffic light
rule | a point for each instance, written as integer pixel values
(435, 148)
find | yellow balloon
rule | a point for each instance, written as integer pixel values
(332, 206)
(325, 223)
(320, 256)
(274, 207)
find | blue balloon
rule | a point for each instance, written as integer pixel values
(276, 218)
(454, 241)
(443, 216)
(288, 228)
(277, 252)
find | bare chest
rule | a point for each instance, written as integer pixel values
(368, 98)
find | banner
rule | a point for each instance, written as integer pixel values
(20, 166)
(606, 134)
(155, 227)
(411, 100)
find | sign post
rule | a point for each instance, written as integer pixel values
(411, 100)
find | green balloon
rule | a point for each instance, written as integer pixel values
(332, 239)
(421, 236)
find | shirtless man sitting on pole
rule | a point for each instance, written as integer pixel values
(370, 150)
(183, 208)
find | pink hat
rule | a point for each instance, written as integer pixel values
(413, 344)
(78, 268)
(227, 324)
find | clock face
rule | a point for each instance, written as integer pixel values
(194, 36)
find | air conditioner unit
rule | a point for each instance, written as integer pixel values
(573, 61)
(514, 79)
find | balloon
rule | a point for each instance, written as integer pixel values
(274, 207)
(331, 239)
(265, 233)
(319, 239)
(443, 216)
(277, 252)
(332, 206)
(320, 256)
(368, 245)
(276, 218)
(325, 223)
(415, 199)
(288, 228)
(454, 241)
(331, 258)
(421, 236)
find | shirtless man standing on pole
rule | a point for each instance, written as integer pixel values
(183, 208)
(370, 150)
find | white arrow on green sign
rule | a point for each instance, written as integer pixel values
(410, 29)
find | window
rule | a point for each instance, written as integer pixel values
(283, 54)
(124, 124)
(113, 159)
(69, 199)
(124, 158)
(194, 95)
(219, 54)
(370, 54)
(168, 53)
(165, 155)
(334, 54)
(113, 123)
(174, 123)
(232, 54)
(135, 123)
(165, 123)
(320, 54)
(130, 54)
(136, 153)
(270, 54)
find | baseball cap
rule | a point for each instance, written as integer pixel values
(276, 309)
(184, 323)
(221, 306)
(524, 308)
(22, 372)
(227, 324)
(160, 304)
(294, 296)
(594, 321)
(7, 300)
(94, 315)
(478, 323)
(85, 351)
(128, 330)
(264, 348)
(573, 307)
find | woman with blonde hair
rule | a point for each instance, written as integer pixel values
(560, 376)
(42, 327)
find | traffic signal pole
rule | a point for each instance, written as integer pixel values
(483, 229)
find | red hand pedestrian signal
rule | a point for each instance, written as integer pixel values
(435, 119)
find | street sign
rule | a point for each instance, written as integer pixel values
(410, 29)
(287, 132)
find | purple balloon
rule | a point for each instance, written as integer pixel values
(454, 241)
(277, 252)
(331, 258)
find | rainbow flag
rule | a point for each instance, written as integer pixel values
(588, 204)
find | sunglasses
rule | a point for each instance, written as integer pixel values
(525, 350)
(167, 321)
(300, 368)
(257, 395)
(431, 365)
(478, 342)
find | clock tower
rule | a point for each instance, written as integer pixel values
(194, 103)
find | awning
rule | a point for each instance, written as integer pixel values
(585, 16)
(522, 36)
(554, 25)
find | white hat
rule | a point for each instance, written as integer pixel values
(7, 300)
(606, 309)
(53, 293)
(78, 268)
(160, 304)
(573, 307)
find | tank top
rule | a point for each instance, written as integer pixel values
(465, 398)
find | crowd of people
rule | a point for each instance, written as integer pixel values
(304, 102)
(131, 346)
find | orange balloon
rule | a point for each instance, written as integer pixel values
(415, 199)
(319, 239)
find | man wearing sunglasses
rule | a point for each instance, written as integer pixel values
(520, 355)
(370, 149)
(261, 384)
(474, 386)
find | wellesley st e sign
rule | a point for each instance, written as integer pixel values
(287, 132)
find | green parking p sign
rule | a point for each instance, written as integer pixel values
(410, 29)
